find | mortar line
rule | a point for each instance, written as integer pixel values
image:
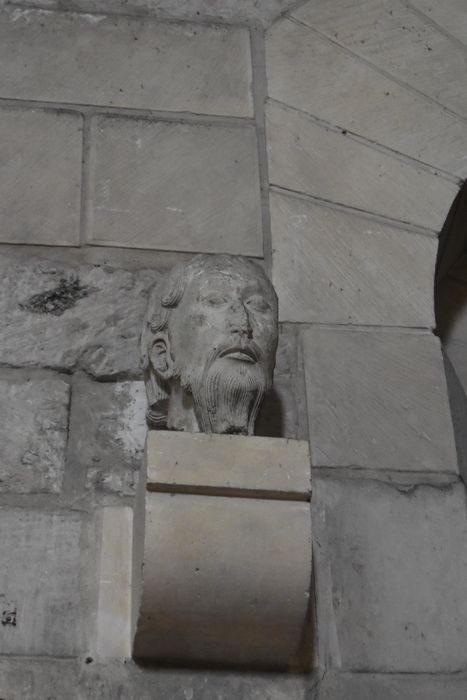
(370, 143)
(362, 327)
(426, 18)
(258, 60)
(376, 68)
(405, 226)
(156, 115)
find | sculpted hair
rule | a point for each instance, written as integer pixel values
(165, 297)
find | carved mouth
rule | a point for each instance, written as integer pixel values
(241, 354)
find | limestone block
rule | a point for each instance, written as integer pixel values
(334, 266)
(392, 567)
(40, 584)
(106, 680)
(399, 41)
(33, 434)
(40, 177)
(70, 316)
(330, 165)
(307, 71)
(107, 434)
(125, 62)
(226, 578)
(114, 605)
(450, 15)
(373, 686)
(378, 400)
(265, 467)
(175, 187)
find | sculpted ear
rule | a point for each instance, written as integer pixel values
(160, 356)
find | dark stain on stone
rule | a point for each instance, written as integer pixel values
(57, 300)
(9, 617)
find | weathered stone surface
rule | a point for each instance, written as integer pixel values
(113, 624)
(124, 62)
(107, 434)
(47, 679)
(378, 400)
(71, 316)
(334, 266)
(450, 15)
(306, 71)
(40, 583)
(33, 434)
(363, 686)
(306, 157)
(392, 573)
(172, 186)
(228, 464)
(226, 580)
(393, 37)
(40, 177)
(264, 11)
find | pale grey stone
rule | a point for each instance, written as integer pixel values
(33, 434)
(378, 399)
(40, 583)
(125, 62)
(40, 177)
(56, 679)
(107, 434)
(392, 573)
(208, 345)
(173, 186)
(372, 686)
(335, 266)
(264, 11)
(330, 165)
(308, 72)
(69, 316)
(397, 40)
(450, 15)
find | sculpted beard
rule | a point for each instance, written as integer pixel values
(227, 393)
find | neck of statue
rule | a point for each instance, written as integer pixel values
(181, 413)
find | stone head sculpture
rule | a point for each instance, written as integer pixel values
(209, 342)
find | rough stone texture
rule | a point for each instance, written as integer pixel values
(67, 316)
(176, 187)
(397, 40)
(330, 165)
(333, 266)
(450, 15)
(392, 576)
(283, 408)
(226, 580)
(73, 680)
(33, 434)
(123, 62)
(236, 464)
(349, 93)
(41, 583)
(40, 176)
(378, 400)
(364, 686)
(107, 434)
(264, 11)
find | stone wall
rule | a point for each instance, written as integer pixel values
(327, 142)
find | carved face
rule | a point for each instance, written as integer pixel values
(222, 340)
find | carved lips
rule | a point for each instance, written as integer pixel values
(243, 354)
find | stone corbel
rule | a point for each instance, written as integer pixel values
(222, 551)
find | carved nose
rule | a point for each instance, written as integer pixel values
(240, 321)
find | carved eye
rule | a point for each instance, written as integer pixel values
(214, 299)
(258, 303)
